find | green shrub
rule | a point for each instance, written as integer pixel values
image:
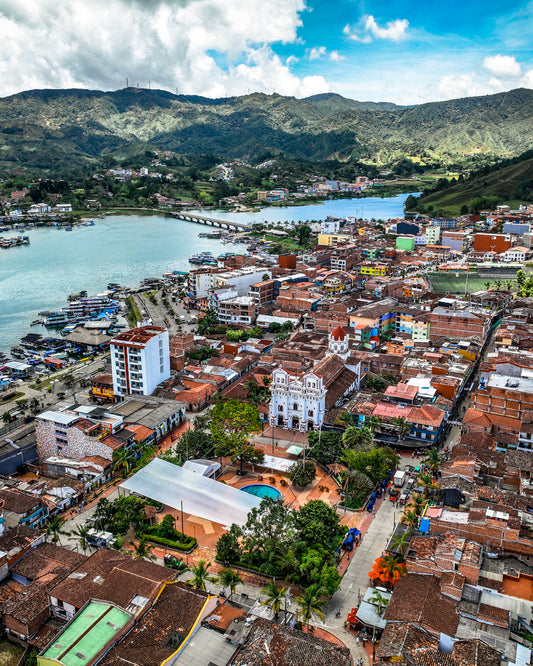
(177, 545)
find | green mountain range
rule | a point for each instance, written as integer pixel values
(50, 129)
(509, 182)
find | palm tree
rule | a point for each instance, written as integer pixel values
(344, 419)
(229, 578)
(417, 503)
(401, 425)
(400, 542)
(81, 534)
(426, 480)
(54, 527)
(410, 519)
(122, 459)
(200, 574)
(433, 460)
(310, 604)
(374, 423)
(357, 438)
(274, 597)
(379, 600)
(143, 551)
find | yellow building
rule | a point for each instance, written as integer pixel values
(373, 269)
(332, 239)
(102, 388)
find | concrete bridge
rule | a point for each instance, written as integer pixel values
(211, 221)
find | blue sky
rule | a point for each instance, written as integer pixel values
(408, 52)
(392, 51)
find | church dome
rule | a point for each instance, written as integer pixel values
(338, 334)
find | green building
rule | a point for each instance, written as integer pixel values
(405, 243)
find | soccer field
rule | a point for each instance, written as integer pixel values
(444, 283)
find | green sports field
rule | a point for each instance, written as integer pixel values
(448, 283)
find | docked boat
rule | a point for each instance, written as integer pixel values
(68, 228)
(202, 258)
(7, 243)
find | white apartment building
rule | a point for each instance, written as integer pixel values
(140, 360)
(241, 279)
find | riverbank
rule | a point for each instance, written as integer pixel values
(126, 249)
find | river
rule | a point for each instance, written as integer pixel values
(126, 249)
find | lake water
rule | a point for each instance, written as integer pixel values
(126, 249)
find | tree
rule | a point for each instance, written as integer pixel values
(379, 600)
(265, 277)
(400, 542)
(410, 518)
(191, 445)
(418, 503)
(344, 419)
(374, 423)
(310, 604)
(274, 596)
(208, 322)
(54, 528)
(267, 535)
(201, 575)
(325, 447)
(387, 570)
(426, 480)
(229, 578)
(228, 546)
(401, 425)
(433, 461)
(375, 463)
(357, 438)
(316, 568)
(318, 524)
(122, 459)
(231, 425)
(301, 473)
(81, 534)
(521, 278)
(143, 551)
(304, 234)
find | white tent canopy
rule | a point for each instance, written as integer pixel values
(201, 496)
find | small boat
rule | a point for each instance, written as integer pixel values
(36, 322)
(68, 228)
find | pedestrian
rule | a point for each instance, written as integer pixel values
(357, 641)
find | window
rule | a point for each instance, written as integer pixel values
(295, 406)
(310, 412)
(280, 408)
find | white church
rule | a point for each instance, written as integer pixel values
(301, 402)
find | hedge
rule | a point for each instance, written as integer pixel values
(186, 546)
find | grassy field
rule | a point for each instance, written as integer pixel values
(445, 283)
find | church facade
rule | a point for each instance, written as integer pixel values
(301, 402)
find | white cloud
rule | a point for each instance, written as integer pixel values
(502, 66)
(393, 30)
(452, 86)
(206, 47)
(317, 52)
(369, 29)
(336, 56)
(527, 80)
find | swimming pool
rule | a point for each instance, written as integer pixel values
(262, 490)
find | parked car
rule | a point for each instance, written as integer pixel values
(394, 493)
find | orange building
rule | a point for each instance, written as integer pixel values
(492, 242)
